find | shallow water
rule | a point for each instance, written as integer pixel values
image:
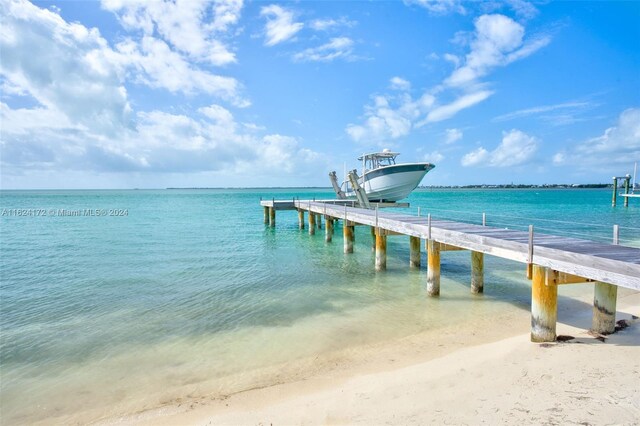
(190, 293)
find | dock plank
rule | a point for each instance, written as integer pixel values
(597, 261)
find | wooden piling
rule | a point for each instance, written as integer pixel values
(300, 218)
(477, 272)
(348, 231)
(272, 217)
(319, 220)
(433, 271)
(414, 252)
(604, 308)
(266, 214)
(328, 229)
(544, 304)
(381, 251)
(615, 191)
(312, 223)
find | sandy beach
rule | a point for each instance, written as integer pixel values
(582, 381)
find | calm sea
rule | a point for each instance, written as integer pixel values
(179, 293)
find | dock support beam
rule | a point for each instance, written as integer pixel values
(414, 252)
(300, 218)
(272, 217)
(266, 214)
(381, 251)
(312, 223)
(604, 308)
(615, 191)
(328, 229)
(348, 231)
(319, 221)
(477, 272)
(544, 304)
(433, 271)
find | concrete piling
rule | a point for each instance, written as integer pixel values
(272, 217)
(381, 251)
(604, 308)
(348, 233)
(414, 252)
(312, 223)
(373, 239)
(544, 304)
(433, 271)
(477, 272)
(328, 229)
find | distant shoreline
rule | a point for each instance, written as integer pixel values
(327, 188)
(472, 186)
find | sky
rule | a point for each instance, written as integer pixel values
(233, 93)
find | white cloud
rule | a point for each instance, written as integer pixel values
(559, 158)
(280, 26)
(498, 41)
(89, 75)
(156, 65)
(566, 109)
(55, 63)
(183, 23)
(219, 115)
(339, 47)
(433, 157)
(516, 148)
(330, 24)
(618, 145)
(161, 143)
(390, 117)
(444, 112)
(398, 83)
(452, 135)
(452, 58)
(523, 8)
(474, 157)
(82, 121)
(439, 7)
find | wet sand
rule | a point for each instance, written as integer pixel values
(450, 378)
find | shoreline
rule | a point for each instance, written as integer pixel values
(435, 378)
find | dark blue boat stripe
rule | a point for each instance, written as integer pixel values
(395, 169)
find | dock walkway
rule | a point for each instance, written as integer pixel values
(551, 260)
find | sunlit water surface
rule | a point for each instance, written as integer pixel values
(191, 294)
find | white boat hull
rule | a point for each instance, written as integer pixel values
(392, 183)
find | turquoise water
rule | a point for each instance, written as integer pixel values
(187, 292)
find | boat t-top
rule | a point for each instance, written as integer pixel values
(382, 179)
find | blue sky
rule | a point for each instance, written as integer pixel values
(123, 94)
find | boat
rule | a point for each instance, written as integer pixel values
(381, 178)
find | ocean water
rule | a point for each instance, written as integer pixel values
(113, 302)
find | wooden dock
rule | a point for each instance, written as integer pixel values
(550, 260)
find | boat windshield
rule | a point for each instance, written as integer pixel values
(379, 159)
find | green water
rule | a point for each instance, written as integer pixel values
(187, 292)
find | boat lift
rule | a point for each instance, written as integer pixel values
(361, 195)
(626, 195)
(363, 200)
